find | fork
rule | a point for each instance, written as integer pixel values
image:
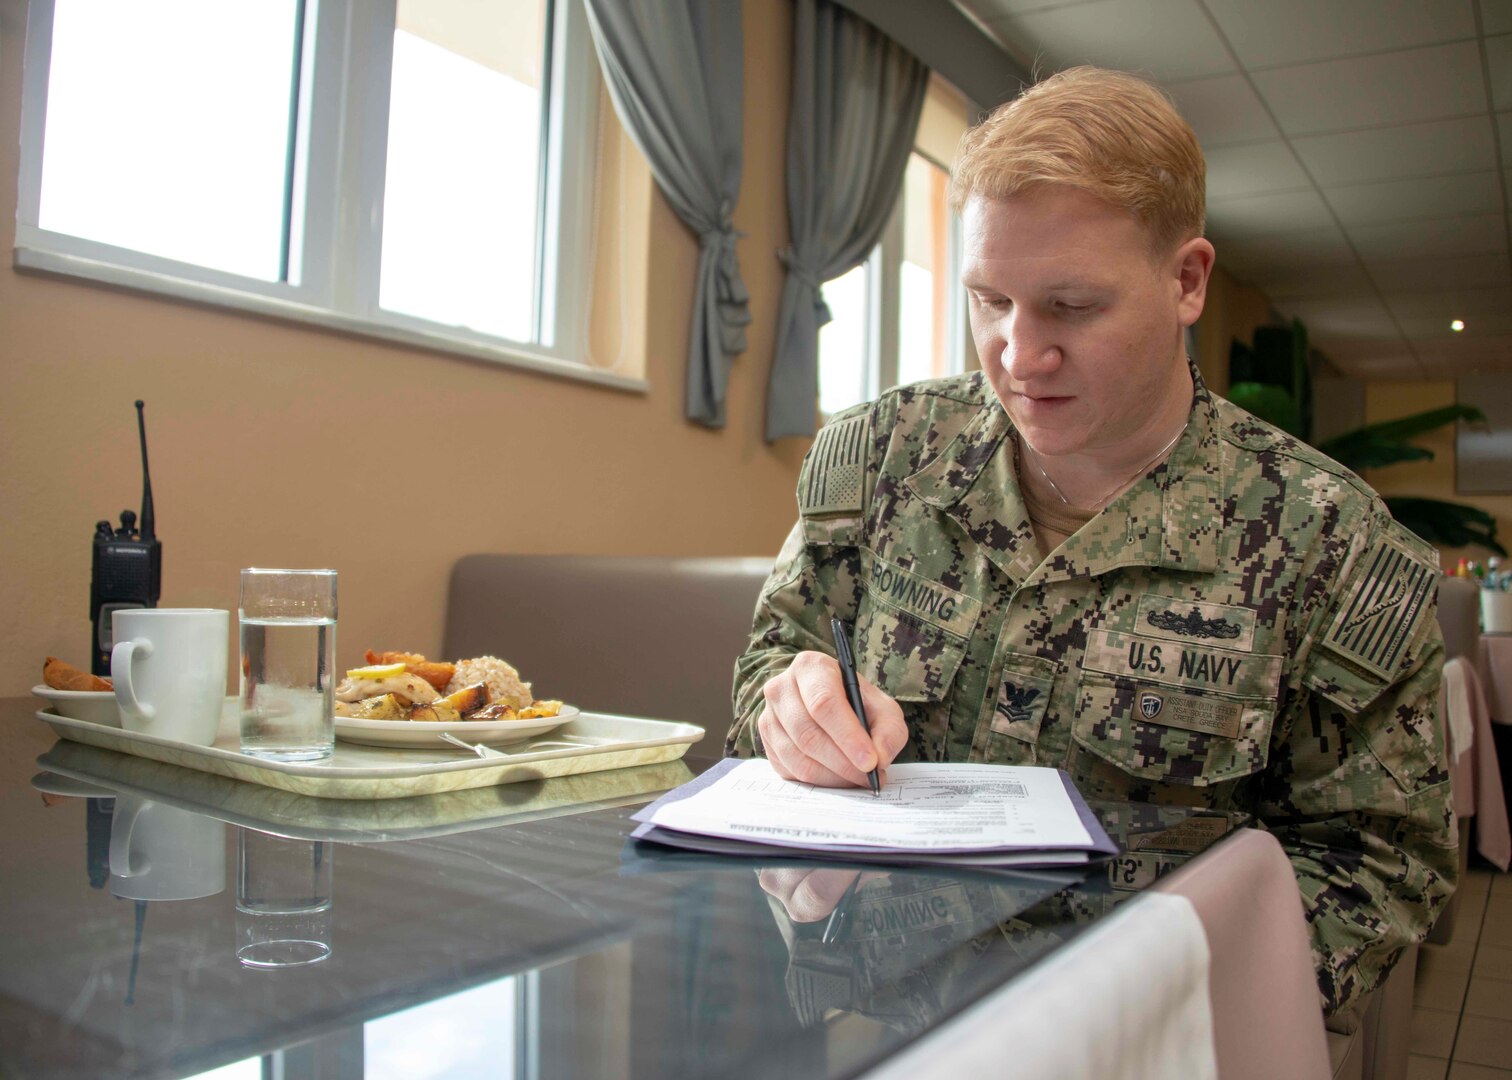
(488, 751)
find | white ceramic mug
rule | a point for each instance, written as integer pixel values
(169, 670)
(159, 852)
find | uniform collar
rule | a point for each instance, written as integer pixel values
(1169, 518)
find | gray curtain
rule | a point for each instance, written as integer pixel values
(675, 72)
(856, 101)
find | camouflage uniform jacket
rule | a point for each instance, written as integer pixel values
(1244, 629)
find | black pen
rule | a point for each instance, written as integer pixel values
(838, 918)
(852, 686)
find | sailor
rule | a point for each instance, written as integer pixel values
(1081, 557)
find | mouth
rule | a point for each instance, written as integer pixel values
(1040, 401)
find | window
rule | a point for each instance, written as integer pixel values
(416, 169)
(900, 316)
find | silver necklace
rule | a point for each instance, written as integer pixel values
(1098, 505)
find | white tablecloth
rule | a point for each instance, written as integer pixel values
(1127, 1000)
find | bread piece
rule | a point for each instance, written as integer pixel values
(64, 676)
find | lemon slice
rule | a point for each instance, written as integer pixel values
(376, 671)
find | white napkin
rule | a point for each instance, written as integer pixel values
(1127, 1000)
(1461, 723)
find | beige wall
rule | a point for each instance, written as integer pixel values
(1233, 310)
(1430, 479)
(276, 444)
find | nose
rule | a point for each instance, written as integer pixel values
(1029, 348)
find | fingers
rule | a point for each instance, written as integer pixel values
(806, 895)
(792, 764)
(808, 727)
(889, 731)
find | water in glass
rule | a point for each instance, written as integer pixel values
(287, 687)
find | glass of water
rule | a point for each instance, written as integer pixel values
(288, 649)
(284, 912)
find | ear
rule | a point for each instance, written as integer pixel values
(1192, 265)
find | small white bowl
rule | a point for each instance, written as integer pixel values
(96, 706)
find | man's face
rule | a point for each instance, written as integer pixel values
(1077, 322)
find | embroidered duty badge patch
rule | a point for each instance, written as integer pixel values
(1380, 615)
(834, 469)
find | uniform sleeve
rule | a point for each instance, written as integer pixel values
(1358, 792)
(818, 572)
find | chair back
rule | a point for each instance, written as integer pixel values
(640, 636)
(1459, 617)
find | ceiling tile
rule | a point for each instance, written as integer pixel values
(1407, 86)
(1425, 317)
(1279, 32)
(1496, 16)
(990, 10)
(1312, 281)
(1478, 307)
(1464, 355)
(1445, 146)
(1482, 234)
(1278, 249)
(1419, 197)
(1255, 169)
(1363, 318)
(1373, 360)
(1499, 65)
(1223, 111)
(1256, 215)
(1164, 39)
(1472, 272)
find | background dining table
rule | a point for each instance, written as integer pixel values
(516, 930)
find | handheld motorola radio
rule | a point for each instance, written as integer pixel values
(127, 571)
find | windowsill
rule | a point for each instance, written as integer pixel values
(77, 267)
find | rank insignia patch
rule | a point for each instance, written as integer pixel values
(834, 469)
(1380, 615)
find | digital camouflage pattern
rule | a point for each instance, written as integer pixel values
(1245, 629)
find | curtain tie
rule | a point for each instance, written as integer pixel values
(729, 288)
(809, 278)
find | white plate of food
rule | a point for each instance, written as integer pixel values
(427, 733)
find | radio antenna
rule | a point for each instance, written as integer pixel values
(149, 520)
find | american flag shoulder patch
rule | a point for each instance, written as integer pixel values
(833, 471)
(1392, 593)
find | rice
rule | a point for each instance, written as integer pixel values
(502, 680)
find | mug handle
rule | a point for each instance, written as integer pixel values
(120, 841)
(120, 673)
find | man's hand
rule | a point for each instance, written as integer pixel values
(810, 734)
(810, 895)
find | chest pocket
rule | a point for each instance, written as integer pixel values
(1193, 718)
(911, 633)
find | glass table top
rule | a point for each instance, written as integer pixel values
(161, 922)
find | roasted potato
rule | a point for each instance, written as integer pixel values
(436, 712)
(497, 711)
(386, 707)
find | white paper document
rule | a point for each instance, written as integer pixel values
(923, 807)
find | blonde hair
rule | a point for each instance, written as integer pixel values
(1110, 134)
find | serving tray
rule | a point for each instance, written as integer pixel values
(604, 742)
(90, 771)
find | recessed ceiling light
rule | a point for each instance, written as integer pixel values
(1457, 325)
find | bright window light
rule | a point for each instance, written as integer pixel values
(167, 129)
(460, 202)
(466, 1034)
(843, 349)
